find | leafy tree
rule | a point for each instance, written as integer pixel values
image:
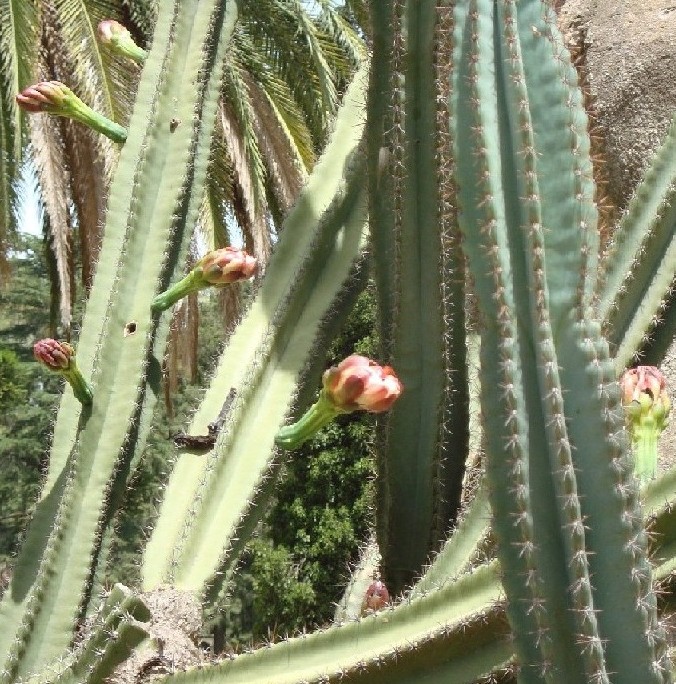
(322, 513)
(28, 393)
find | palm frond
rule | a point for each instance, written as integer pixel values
(48, 154)
(19, 35)
(248, 191)
(237, 119)
(7, 199)
(93, 75)
(18, 56)
(218, 194)
(142, 15)
(341, 34)
(286, 172)
(310, 35)
(283, 44)
(87, 189)
(291, 117)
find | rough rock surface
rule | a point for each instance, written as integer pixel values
(629, 53)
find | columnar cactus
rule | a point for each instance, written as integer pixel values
(473, 149)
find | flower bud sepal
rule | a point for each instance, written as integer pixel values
(321, 413)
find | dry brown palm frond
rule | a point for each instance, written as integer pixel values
(249, 208)
(48, 153)
(88, 190)
(286, 172)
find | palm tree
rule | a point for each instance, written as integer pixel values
(283, 78)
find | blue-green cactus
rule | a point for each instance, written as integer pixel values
(468, 159)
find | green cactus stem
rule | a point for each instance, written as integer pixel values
(216, 269)
(59, 357)
(355, 383)
(118, 38)
(646, 407)
(53, 97)
(321, 413)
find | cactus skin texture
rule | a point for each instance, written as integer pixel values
(473, 149)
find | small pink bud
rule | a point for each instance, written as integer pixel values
(227, 265)
(47, 96)
(109, 29)
(60, 358)
(118, 39)
(359, 383)
(635, 381)
(376, 598)
(55, 355)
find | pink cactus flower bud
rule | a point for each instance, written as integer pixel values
(109, 30)
(227, 265)
(216, 269)
(60, 358)
(376, 598)
(118, 39)
(55, 355)
(355, 383)
(53, 97)
(359, 383)
(647, 406)
(47, 96)
(641, 379)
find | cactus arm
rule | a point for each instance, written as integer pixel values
(664, 333)
(423, 322)
(460, 550)
(116, 630)
(242, 454)
(506, 423)
(310, 228)
(31, 640)
(404, 639)
(350, 604)
(535, 351)
(639, 266)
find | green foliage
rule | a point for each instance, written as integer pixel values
(322, 511)
(28, 393)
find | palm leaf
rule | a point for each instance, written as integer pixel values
(18, 49)
(285, 168)
(48, 154)
(291, 117)
(77, 22)
(18, 56)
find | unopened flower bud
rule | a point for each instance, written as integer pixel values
(55, 355)
(216, 269)
(647, 406)
(376, 598)
(227, 265)
(60, 358)
(53, 97)
(118, 38)
(357, 383)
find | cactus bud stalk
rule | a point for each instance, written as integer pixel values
(356, 383)
(216, 269)
(59, 357)
(118, 38)
(53, 97)
(647, 406)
